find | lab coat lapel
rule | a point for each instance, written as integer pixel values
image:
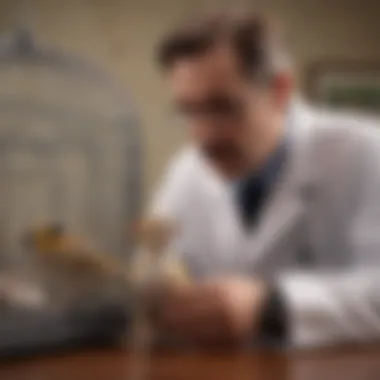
(286, 207)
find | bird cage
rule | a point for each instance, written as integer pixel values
(69, 149)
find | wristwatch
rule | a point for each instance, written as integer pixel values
(274, 323)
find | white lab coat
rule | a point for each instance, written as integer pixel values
(318, 237)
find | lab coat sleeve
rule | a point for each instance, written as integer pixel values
(341, 307)
(329, 309)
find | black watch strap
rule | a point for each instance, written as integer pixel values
(273, 328)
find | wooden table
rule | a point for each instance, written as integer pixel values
(347, 364)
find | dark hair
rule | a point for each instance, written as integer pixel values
(252, 36)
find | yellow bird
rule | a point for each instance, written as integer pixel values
(61, 251)
(74, 261)
(69, 264)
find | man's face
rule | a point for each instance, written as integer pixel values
(222, 108)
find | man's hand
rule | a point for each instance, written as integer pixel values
(222, 310)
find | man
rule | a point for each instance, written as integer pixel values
(278, 205)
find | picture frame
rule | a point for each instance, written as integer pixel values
(348, 85)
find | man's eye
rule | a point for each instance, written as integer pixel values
(211, 106)
(224, 106)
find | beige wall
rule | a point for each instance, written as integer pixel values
(120, 35)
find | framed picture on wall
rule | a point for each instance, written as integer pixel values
(351, 85)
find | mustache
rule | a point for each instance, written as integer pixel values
(221, 151)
